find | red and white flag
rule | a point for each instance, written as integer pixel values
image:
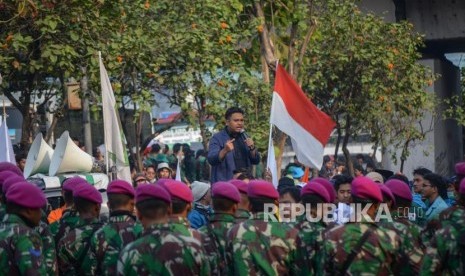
(294, 114)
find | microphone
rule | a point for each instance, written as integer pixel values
(246, 136)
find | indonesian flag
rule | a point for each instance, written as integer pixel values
(294, 114)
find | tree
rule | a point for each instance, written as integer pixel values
(359, 69)
(199, 62)
(366, 82)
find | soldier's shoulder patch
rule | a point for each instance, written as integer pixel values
(35, 252)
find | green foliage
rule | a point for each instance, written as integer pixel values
(454, 106)
(364, 73)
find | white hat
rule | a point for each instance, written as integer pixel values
(199, 189)
(163, 165)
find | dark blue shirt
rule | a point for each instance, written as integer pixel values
(222, 170)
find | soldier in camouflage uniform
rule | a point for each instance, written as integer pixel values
(20, 245)
(3, 176)
(258, 246)
(49, 249)
(225, 198)
(409, 233)
(67, 193)
(69, 218)
(364, 247)
(242, 212)
(160, 251)
(446, 253)
(121, 230)
(315, 195)
(74, 246)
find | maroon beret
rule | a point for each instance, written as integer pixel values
(178, 189)
(27, 195)
(399, 188)
(71, 183)
(328, 186)
(240, 185)
(119, 186)
(385, 191)
(88, 192)
(6, 166)
(462, 187)
(261, 188)
(315, 188)
(226, 190)
(365, 188)
(4, 175)
(460, 168)
(149, 191)
(162, 181)
(10, 181)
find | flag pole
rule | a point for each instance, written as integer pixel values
(107, 157)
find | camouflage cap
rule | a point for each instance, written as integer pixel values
(226, 190)
(399, 188)
(240, 185)
(365, 188)
(315, 188)
(150, 191)
(88, 192)
(328, 186)
(71, 183)
(119, 186)
(27, 195)
(6, 166)
(262, 188)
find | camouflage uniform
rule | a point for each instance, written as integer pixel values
(20, 248)
(445, 218)
(256, 246)
(446, 253)
(381, 254)
(108, 242)
(60, 228)
(242, 215)
(312, 236)
(161, 252)
(215, 245)
(49, 252)
(411, 241)
(73, 247)
(452, 213)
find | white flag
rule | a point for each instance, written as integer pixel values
(6, 148)
(115, 142)
(178, 170)
(271, 160)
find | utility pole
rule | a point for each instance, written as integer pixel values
(86, 111)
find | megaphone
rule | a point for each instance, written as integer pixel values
(38, 157)
(68, 157)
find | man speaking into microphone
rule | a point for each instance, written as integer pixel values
(231, 148)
